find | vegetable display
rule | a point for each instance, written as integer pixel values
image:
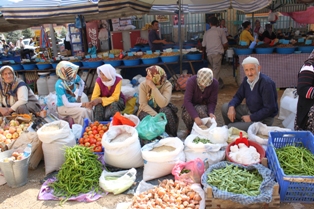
(296, 160)
(168, 194)
(79, 173)
(236, 180)
(92, 136)
(201, 140)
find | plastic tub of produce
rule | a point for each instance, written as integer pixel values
(150, 61)
(264, 50)
(174, 58)
(132, 62)
(29, 66)
(135, 49)
(43, 66)
(54, 65)
(77, 63)
(193, 56)
(242, 51)
(95, 64)
(17, 67)
(257, 146)
(305, 49)
(85, 64)
(285, 50)
(113, 63)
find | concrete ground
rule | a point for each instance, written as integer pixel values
(26, 196)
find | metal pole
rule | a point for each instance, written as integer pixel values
(179, 38)
(53, 39)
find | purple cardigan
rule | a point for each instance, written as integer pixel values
(105, 92)
(194, 96)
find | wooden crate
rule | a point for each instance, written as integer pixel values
(215, 203)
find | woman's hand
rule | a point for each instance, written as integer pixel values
(198, 121)
(211, 115)
(150, 84)
(5, 111)
(78, 99)
(96, 101)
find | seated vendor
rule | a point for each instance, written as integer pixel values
(67, 104)
(15, 95)
(268, 34)
(92, 50)
(107, 96)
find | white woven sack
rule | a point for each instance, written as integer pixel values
(54, 152)
(158, 164)
(209, 122)
(47, 136)
(283, 112)
(124, 154)
(212, 153)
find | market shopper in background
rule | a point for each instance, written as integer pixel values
(19, 43)
(216, 43)
(200, 98)
(305, 109)
(15, 95)
(155, 42)
(245, 35)
(260, 94)
(268, 34)
(67, 104)
(107, 96)
(154, 97)
(91, 49)
(258, 30)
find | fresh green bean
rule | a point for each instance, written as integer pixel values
(296, 160)
(236, 180)
(79, 173)
(201, 140)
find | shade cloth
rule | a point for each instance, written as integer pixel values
(303, 17)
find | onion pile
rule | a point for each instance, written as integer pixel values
(167, 195)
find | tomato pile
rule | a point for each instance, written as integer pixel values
(92, 136)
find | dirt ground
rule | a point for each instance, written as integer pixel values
(26, 196)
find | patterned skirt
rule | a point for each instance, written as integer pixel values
(188, 120)
(102, 113)
(172, 119)
(309, 124)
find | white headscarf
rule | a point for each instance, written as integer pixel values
(109, 72)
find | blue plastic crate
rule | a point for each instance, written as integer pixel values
(85, 124)
(29, 66)
(54, 65)
(194, 56)
(240, 51)
(113, 63)
(17, 67)
(95, 64)
(150, 61)
(132, 62)
(264, 50)
(305, 49)
(285, 50)
(44, 66)
(291, 191)
(174, 58)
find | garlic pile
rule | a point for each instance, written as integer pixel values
(168, 195)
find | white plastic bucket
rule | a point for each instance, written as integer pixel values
(51, 81)
(15, 172)
(42, 86)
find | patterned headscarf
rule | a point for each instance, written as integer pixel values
(109, 72)
(159, 77)
(67, 72)
(204, 78)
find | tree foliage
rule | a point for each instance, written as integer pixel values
(13, 36)
(63, 33)
(28, 33)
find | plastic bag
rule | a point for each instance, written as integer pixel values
(152, 126)
(117, 182)
(209, 122)
(119, 119)
(190, 172)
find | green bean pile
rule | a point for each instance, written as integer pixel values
(296, 160)
(201, 140)
(79, 173)
(236, 180)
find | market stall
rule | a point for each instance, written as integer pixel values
(281, 68)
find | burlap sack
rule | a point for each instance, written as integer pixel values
(37, 151)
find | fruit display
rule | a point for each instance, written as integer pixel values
(93, 59)
(12, 131)
(15, 156)
(168, 54)
(132, 57)
(115, 51)
(108, 58)
(263, 46)
(241, 47)
(196, 52)
(46, 62)
(284, 45)
(75, 60)
(147, 26)
(92, 136)
(149, 56)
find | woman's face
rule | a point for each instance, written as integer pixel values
(103, 77)
(257, 24)
(7, 76)
(149, 77)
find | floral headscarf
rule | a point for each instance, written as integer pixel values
(204, 78)
(159, 77)
(67, 72)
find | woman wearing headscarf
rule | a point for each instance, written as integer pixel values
(15, 95)
(246, 35)
(305, 109)
(154, 97)
(200, 98)
(258, 30)
(67, 104)
(268, 34)
(107, 96)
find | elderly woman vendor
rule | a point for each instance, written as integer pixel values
(15, 95)
(67, 104)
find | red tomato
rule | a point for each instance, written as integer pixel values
(97, 149)
(90, 132)
(104, 128)
(98, 139)
(86, 140)
(96, 123)
(85, 133)
(95, 132)
(91, 136)
(99, 128)
(85, 136)
(94, 128)
(81, 141)
(92, 146)
(98, 143)
(101, 132)
(87, 129)
(92, 141)
(97, 136)
(87, 144)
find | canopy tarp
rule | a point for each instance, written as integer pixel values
(64, 11)
(302, 17)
